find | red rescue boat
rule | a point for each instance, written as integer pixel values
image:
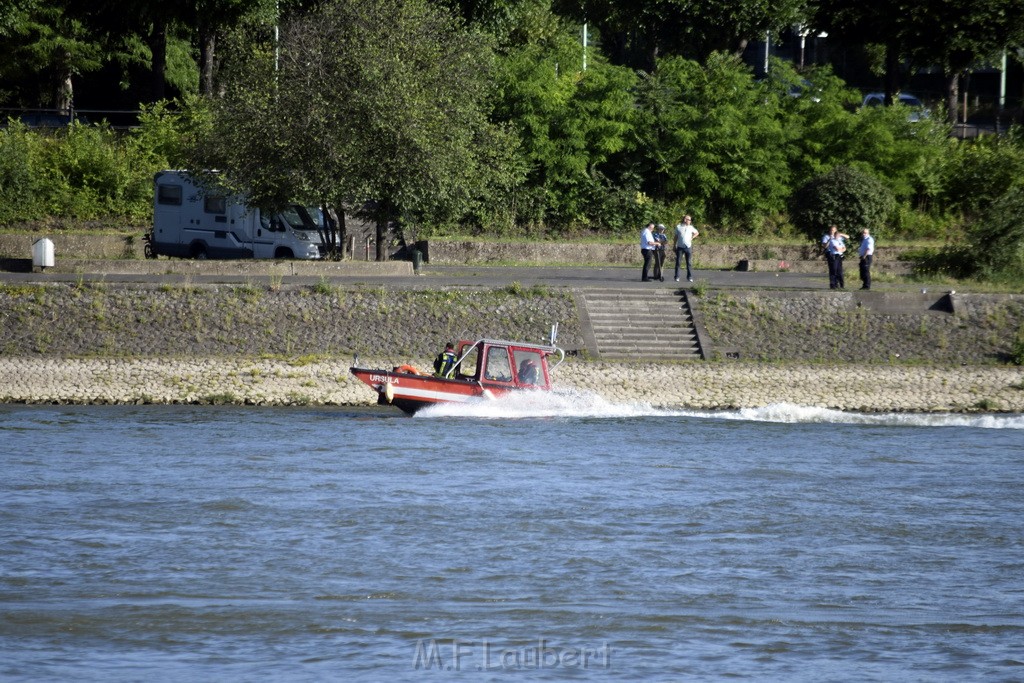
(485, 369)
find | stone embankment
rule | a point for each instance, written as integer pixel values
(691, 385)
(81, 342)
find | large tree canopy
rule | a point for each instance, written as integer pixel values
(362, 100)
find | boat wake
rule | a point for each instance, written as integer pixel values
(572, 403)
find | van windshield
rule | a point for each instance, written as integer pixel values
(299, 217)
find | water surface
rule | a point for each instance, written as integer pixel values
(560, 537)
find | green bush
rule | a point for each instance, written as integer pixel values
(844, 197)
(980, 170)
(20, 186)
(997, 239)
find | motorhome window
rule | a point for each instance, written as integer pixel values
(298, 217)
(168, 194)
(316, 214)
(291, 217)
(215, 204)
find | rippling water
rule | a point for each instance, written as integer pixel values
(559, 536)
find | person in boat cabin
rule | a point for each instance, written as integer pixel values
(527, 372)
(444, 364)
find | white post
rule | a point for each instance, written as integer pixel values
(585, 47)
(1002, 82)
(767, 46)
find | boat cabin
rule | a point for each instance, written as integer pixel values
(509, 364)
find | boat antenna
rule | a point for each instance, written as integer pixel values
(554, 333)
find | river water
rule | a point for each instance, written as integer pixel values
(541, 538)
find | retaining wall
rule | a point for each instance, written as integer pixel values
(66, 342)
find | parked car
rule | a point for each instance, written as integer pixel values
(917, 109)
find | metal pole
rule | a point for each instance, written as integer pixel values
(585, 47)
(1002, 83)
(767, 46)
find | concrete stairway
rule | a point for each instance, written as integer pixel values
(639, 324)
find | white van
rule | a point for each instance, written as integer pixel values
(191, 222)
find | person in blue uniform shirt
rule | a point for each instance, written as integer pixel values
(834, 243)
(867, 255)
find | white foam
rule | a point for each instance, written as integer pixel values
(572, 403)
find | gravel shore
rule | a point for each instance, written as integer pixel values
(688, 385)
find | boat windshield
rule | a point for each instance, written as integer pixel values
(498, 367)
(528, 367)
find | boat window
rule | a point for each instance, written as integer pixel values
(469, 367)
(498, 367)
(528, 365)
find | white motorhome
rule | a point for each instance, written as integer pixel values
(196, 222)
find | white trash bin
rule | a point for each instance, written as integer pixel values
(42, 253)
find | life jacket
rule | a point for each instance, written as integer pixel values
(445, 363)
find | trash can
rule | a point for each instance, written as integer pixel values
(42, 253)
(417, 260)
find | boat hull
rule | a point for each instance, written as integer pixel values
(411, 393)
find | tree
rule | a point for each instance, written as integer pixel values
(570, 122)
(711, 141)
(379, 100)
(957, 35)
(638, 33)
(864, 22)
(212, 19)
(46, 46)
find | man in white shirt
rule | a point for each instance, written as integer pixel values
(647, 247)
(685, 232)
(867, 253)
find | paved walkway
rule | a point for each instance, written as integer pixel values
(482, 276)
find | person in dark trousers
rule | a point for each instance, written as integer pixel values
(661, 239)
(867, 255)
(685, 232)
(647, 247)
(834, 243)
(444, 364)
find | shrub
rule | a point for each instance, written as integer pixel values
(19, 181)
(979, 171)
(844, 197)
(997, 239)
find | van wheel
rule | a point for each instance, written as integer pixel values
(199, 252)
(284, 253)
(148, 251)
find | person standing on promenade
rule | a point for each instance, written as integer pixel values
(834, 243)
(867, 253)
(685, 232)
(647, 247)
(659, 252)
